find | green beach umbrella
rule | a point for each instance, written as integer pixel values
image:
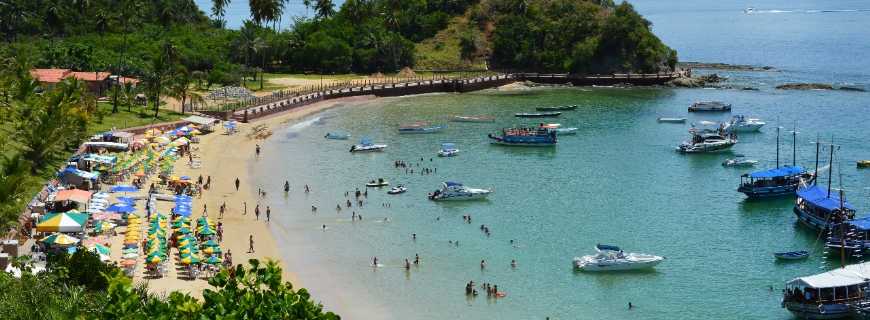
(213, 260)
(210, 243)
(207, 232)
(101, 249)
(60, 239)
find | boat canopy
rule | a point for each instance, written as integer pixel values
(819, 198)
(850, 275)
(605, 247)
(365, 141)
(861, 224)
(785, 171)
(448, 146)
(452, 184)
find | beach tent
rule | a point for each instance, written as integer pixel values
(106, 145)
(74, 195)
(203, 123)
(60, 239)
(73, 176)
(63, 222)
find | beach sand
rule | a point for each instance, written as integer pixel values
(225, 158)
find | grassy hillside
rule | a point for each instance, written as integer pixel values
(444, 50)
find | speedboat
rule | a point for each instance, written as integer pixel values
(707, 142)
(671, 120)
(378, 183)
(537, 114)
(611, 258)
(792, 255)
(366, 145)
(472, 119)
(337, 135)
(709, 106)
(559, 108)
(421, 127)
(448, 150)
(456, 191)
(397, 189)
(739, 161)
(529, 137)
(740, 123)
(863, 163)
(566, 131)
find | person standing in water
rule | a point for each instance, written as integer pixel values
(286, 186)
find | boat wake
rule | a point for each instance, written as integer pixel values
(293, 131)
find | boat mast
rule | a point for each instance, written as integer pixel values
(777, 147)
(794, 146)
(830, 167)
(818, 145)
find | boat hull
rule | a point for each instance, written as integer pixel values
(811, 220)
(748, 127)
(465, 197)
(707, 148)
(672, 120)
(477, 119)
(768, 192)
(421, 130)
(448, 153)
(567, 108)
(538, 115)
(599, 267)
(524, 144)
(814, 311)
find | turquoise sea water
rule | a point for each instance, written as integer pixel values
(618, 181)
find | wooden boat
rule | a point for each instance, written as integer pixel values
(472, 118)
(863, 163)
(792, 255)
(710, 106)
(421, 127)
(378, 183)
(559, 108)
(537, 114)
(529, 137)
(671, 120)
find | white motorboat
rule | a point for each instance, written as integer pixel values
(741, 123)
(366, 145)
(611, 258)
(456, 191)
(397, 189)
(448, 150)
(711, 106)
(739, 161)
(707, 142)
(566, 131)
(378, 183)
(671, 120)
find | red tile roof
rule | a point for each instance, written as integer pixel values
(89, 76)
(49, 75)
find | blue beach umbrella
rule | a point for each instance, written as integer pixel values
(127, 200)
(120, 207)
(123, 188)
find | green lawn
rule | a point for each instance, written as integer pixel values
(125, 119)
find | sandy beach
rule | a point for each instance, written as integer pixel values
(225, 158)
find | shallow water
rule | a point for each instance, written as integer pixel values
(618, 181)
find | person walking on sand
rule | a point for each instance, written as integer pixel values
(268, 214)
(245, 208)
(251, 244)
(237, 184)
(257, 212)
(257, 150)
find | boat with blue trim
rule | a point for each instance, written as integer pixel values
(820, 209)
(779, 181)
(529, 137)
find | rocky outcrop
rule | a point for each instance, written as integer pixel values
(723, 66)
(707, 80)
(816, 86)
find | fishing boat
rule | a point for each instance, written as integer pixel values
(779, 181)
(820, 209)
(707, 142)
(740, 123)
(559, 108)
(397, 189)
(739, 161)
(710, 106)
(671, 120)
(366, 145)
(337, 135)
(448, 150)
(421, 127)
(456, 191)
(472, 118)
(537, 114)
(828, 295)
(612, 258)
(566, 131)
(529, 137)
(863, 163)
(792, 255)
(378, 183)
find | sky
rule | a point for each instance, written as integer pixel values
(238, 12)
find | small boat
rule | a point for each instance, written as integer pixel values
(397, 189)
(472, 119)
(559, 108)
(612, 258)
(711, 106)
(550, 125)
(707, 142)
(671, 120)
(863, 163)
(448, 150)
(566, 131)
(366, 145)
(456, 191)
(537, 114)
(421, 127)
(791, 255)
(528, 137)
(740, 123)
(337, 135)
(378, 183)
(739, 161)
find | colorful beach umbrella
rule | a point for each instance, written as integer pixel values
(60, 239)
(120, 207)
(210, 243)
(213, 260)
(211, 250)
(123, 188)
(189, 260)
(63, 222)
(101, 249)
(207, 232)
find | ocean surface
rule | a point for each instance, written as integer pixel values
(618, 181)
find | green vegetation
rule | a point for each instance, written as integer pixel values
(82, 287)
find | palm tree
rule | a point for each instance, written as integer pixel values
(219, 9)
(324, 9)
(158, 78)
(180, 89)
(265, 10)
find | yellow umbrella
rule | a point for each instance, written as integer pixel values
(155, 259)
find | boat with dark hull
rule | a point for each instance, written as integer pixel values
(559, 108)
(820, 209)
(537, 114)
(779, 181)
(527, 137)
(834, 294)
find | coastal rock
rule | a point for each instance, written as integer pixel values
(817, 86)
(702, 81)
(852, 89)
(723, 66)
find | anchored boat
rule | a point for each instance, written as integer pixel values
(456, 191)
(740, 123)
(338, 135)
(448, 150)
(671, 120)
(473, 119)
(739, 161)
(397, 189)
(559, 108)
(710, 106)
(779, 181)
(612, 258)
(421, 127)
(707, 142)
(537, 114)
(366, 145)
(828, 295)
(378, 183)
(530, 137)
